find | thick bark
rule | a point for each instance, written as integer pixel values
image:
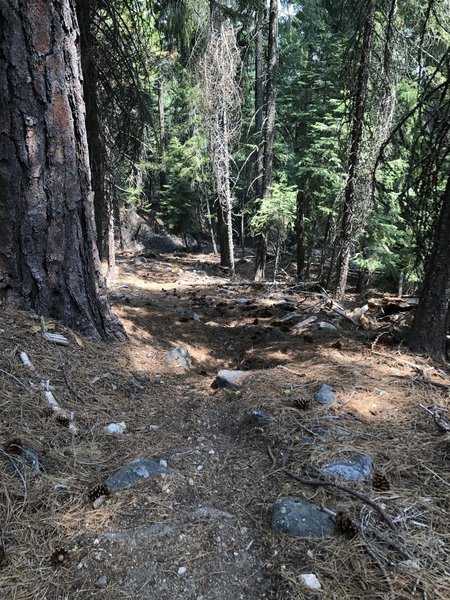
(48, 255)
(93, 128)
(356, 139)
(300, 233)
(432, 317)
(269, 131)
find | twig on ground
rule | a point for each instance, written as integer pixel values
(382, 568)
(292, 371)
(343, 488)
(71, 388)
(13, 377)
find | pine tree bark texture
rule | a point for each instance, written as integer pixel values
(269, 132)
(48, 256)
(93, 128)
(356, 139)
(432, 316)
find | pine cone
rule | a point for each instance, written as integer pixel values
(345, 525)
(380, 482)
(303, 403)
(98, 491)
(63, 419)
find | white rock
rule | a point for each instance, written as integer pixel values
(163, 463)
(325, 325)
(115, 428)
(310, 581)
(181, 570)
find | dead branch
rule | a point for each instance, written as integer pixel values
(343, 488)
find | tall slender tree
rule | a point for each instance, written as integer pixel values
(357, 116)
(268, 130)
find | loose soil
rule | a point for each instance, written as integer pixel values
(205, 531)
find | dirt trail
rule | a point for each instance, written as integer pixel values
(204, 532)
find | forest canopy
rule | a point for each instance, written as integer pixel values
(316, 133)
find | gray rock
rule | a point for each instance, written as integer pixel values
(229, 379)
(32, 459)
(259, 418)
(355, 468)
(212, 513)
(101, 582)
(326, 326)
(325, 394)
(179, 357)
(269, 336)
(135, 471)
(299, 518)
(134, 537)
(187, 313)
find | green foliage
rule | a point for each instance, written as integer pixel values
(276, 214)
(185, 167)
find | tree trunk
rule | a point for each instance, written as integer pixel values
(432, 317)
(269, 131)
(259, 101)
(356, 139)
(48, 256)
(222, 234)
(300, 233)
(93, 128)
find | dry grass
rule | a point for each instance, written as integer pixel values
(377, 412)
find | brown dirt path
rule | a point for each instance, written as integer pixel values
(205, 532)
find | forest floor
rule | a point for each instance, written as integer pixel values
(203, 531)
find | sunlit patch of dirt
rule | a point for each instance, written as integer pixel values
(148, 541)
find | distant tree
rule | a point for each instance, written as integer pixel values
(48, 255)
(268, 131)
(357, 118)
(219, 71)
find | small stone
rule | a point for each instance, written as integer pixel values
(259, 418)
(163, 463)
(269, 336)
(153, 427)
(190, 315)
(355, 468)
(409, 566)
(115, 428)
(200, 468)
(179, 357)
(133, 472)
(101, 582)
(190, 481)
(310, 581)
(32, 459)
(326, 326)
(325, 394)
(229, 379)
(300, 518)
(182, 570)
